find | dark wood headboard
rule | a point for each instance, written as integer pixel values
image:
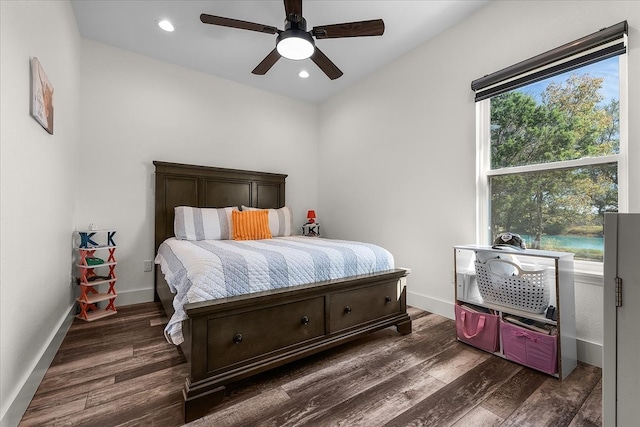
(209, 187)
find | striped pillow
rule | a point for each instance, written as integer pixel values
(203, 223)
(280, 220)
(250, 225)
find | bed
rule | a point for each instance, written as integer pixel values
(231, 338)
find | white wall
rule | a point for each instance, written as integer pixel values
(397, 152)
(38, 195)
(136, 109)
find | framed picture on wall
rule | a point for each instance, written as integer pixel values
(41, 96)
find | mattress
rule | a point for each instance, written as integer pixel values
(210, 269)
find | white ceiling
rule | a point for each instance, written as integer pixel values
(232, 53)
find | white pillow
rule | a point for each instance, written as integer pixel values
(203, 223)
(280, 220)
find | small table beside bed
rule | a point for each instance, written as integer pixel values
(240, 307)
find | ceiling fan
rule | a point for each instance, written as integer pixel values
(295, 42)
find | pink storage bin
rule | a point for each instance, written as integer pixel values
(530, 348)
(478, 329)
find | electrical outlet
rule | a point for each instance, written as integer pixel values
(148, 265)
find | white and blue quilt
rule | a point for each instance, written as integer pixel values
(210, 269)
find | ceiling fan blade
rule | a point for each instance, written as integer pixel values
(374, 27)
(325, 64)
(235, 23)
(267, 63)
(293, 7)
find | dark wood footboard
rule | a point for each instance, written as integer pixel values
(234, 338)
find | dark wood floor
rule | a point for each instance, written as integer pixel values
(121, 371)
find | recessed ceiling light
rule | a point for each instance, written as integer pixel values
(303, 74)
(166, 25)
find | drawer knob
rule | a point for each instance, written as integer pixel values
(347, 310)
(387, 299)
(305, 320)
(237, 338)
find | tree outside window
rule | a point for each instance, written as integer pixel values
(553, 169)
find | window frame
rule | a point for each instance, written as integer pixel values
(589, 271)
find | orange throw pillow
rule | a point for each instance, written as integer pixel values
(251, 225)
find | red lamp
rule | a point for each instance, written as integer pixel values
(311, 217)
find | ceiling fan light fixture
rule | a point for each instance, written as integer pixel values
(295, 44)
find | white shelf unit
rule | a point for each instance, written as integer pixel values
(99, 244)
(561, 289)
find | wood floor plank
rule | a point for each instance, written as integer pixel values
(396, 356)
(453, 401)
(479, 416)
(147, 363)
(355, 376)
(379, 404)
(457, 364)
(118, 411)
(150, 345)
(514, 392)
(128, 334)
(122, 368)
(416, 313)
(423, 324)
(89, 361)
(555, 403)
(590, 414)
(104, 395)
(99, 343)
(378, 368)
(54, 413)
(246, 413)
(159, 321)
(44, 399)
(169, 416)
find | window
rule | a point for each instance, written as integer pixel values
(552, 149)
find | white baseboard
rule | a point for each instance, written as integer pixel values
(20, 403)
(588, 352)
(134, 297)
(432, 305)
